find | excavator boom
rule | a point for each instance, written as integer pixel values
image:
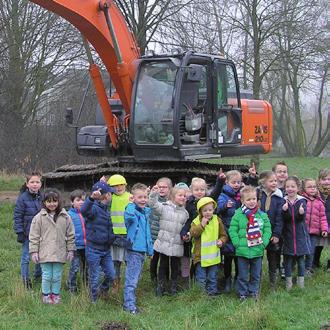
(89, 18)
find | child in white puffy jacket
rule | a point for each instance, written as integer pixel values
(169, 244)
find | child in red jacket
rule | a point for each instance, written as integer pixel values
(316, 219)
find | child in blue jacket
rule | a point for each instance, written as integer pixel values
(77, 198)
(28, 204)
(99, 237)
(228, 202)
(139, 243)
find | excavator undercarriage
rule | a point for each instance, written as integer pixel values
(70, 177)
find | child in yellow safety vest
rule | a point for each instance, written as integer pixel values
(208, 236)
(120, 200)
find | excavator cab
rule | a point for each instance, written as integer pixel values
(186, 107)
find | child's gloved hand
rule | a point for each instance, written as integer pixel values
(324, 234)
(69, 256)
(301, 209)
(35, 257)
(285, 206)
(20, 238)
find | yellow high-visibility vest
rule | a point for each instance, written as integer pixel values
(118, 205)
(210, 253)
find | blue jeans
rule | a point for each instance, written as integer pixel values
(78, 263)
(51, 277)
(288, 261)
(134, 266)
(207, 278)
(310, 257)
(249, 276)
(25, 263)
(96, 258)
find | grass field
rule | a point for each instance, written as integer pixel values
(307, 309)
(299, 309)
(302, 167)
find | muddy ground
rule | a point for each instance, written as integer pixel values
(8, 196)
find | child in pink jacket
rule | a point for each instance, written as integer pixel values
(316, 219)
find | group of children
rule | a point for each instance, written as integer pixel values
(188, 232)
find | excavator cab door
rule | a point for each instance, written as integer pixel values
(227, 112)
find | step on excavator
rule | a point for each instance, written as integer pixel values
(169, 111)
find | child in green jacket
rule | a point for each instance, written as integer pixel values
(250, 232)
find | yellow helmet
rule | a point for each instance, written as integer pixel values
(116, 180)
(205, 200)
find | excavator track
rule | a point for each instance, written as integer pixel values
(70, 177)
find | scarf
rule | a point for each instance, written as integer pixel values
(253, 232)
(237, 197)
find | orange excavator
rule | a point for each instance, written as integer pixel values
(171, 110)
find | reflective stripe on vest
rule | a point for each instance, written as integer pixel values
(210, 253)
(118, 205)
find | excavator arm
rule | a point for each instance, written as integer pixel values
(117, 54)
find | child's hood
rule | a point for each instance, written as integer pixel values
(299, 198)
(278, 192)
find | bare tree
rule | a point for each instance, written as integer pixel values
(145, 16)
(36, 47)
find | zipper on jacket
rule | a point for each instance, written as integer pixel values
(310, 216)
(293, 231)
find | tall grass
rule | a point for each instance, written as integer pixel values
(11, 182)
(20, 309)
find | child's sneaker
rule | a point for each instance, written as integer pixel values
(56, 299)
(47, 299)
(242, 298)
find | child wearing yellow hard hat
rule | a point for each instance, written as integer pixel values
(208, 235)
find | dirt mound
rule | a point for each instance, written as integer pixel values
(115, 326)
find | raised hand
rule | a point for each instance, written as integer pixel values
(285, 206)
(155, 188)
(221, 175)
(301, 209)
(96, 194)
(103, 179)
(253, 170)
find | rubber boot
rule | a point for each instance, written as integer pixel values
(272, 282)
(301, 282)
(228, 285)
(288, 283)
(174, 287)
(116, 286)
(160, 288)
